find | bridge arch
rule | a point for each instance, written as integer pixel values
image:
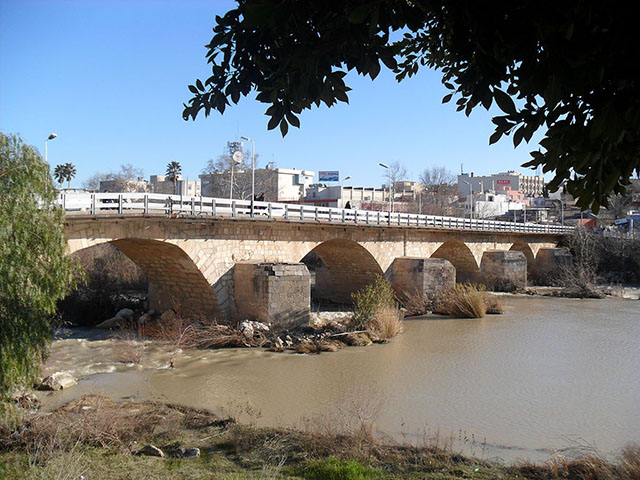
(522, 246)
(345, 267)
(175, 282)
(461, 257)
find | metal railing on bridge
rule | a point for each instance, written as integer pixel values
(147, 204)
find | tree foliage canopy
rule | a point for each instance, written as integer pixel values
(34, 270)
(567, 68)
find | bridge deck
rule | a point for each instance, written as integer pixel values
(148, 204)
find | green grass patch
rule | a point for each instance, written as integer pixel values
(333, 468)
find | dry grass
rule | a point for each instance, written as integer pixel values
(94, 437)
(463, 300)
(348, 426)
(186, 334)
(416, 302)
(495, 306)
(589, 467)
(387, 322)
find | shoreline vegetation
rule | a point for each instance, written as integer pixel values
(94, 437)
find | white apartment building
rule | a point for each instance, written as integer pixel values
(490, 204)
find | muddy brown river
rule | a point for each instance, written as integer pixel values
(549, 376)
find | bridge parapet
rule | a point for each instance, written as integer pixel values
(149, 204)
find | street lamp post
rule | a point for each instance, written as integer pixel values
(253, 170)
(46, 152)
(389, 186)
(470, 198)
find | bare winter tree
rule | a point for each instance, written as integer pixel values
(440, 191)
(396, 172)
(218, 178)
(123, 179)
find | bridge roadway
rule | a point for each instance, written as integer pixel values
(188, 246)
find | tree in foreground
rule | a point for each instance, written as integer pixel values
(174, 169)
(565, 68)
(34, 270)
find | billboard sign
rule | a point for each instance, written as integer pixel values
(329, 176)
(503, 182)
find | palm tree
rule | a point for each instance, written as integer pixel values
(69, 172)
(59, 174)
(174, 169)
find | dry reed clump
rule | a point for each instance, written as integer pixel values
(387, 322)
(463, 301)
(495, 306)
(416, 303)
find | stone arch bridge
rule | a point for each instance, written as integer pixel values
(191, 261)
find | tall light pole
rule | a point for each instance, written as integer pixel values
(470, 198)
(389, 171)
(253, 170)
(46, 142)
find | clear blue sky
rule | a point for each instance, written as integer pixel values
(110, 78)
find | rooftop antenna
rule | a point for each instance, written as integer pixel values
(462, 169)
(237, 129)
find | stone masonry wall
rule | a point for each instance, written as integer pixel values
(424, 276)
(270, 292)
(504, 268)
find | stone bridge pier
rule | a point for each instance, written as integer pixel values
(229, 268)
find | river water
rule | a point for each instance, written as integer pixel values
(550, 375)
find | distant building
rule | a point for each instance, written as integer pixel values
(124, 186)
(490, 204)
(274, 184)
(156, 184)
(531, 186)
(337, 196)
(161, 184)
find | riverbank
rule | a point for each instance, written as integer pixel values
(94, 437)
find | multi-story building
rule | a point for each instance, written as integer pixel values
(531, 186)
(271, 184)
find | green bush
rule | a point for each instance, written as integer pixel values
(369, 300)
(336, 469)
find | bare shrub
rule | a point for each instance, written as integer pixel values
(387, 322)
(348, 426)
(495, 306)
(463, 300)
(182, 333)
(579, 279)
(127, 348)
